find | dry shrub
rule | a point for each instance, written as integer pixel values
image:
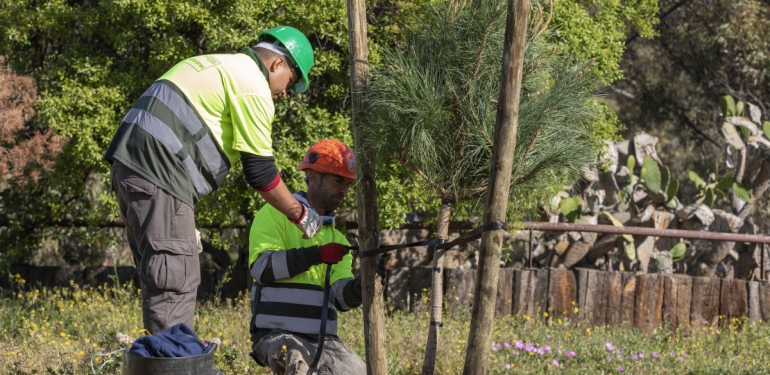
(24, 153)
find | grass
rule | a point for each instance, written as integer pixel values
(58, 331)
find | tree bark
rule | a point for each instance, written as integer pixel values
(477, 355)
(366, 196)
(437, 290)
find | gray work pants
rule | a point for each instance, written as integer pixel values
(161, 233)
(289, 354)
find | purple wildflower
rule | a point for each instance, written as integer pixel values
(621, 369)
(634, 356)
(673, 353)
(655, 354)
(609, 346)
(547, 336)
(508, 366)
(684, 355)
(570, 353)
(608, 358)
(547, 348)
(555, 362)
(507, 345)
(519, 344)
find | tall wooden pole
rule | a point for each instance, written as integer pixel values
(366, 196)
(479, 339)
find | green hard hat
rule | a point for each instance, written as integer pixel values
(300, 49)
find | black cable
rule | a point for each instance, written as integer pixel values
(324, 317)
(439, 243)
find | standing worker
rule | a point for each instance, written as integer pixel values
(177, 144)
(289, 274)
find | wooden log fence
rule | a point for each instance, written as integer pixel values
(594, 297)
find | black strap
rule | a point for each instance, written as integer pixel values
(440, 243)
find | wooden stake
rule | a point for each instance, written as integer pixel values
(366, 196)
(479, 340)
(437, 290)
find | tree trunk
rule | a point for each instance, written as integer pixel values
(437, 290)
(366, 197)
(477, 355)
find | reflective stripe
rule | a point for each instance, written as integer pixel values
(155, 127)
(213, 158)
(337, 293)
(176, 104)
(259, 265)
(280, 266)
(294, 296)
(254, 293)
(299, 325)
(201, 186)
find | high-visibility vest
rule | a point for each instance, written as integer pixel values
(189, 126)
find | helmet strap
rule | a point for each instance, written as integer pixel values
(279, 49)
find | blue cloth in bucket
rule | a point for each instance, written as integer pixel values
(177, 341)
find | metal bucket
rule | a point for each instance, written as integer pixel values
(198, 365)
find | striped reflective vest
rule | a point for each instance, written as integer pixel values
(294, 302)
(189, 126)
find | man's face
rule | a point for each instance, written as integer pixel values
(329, 190)
(282, 75)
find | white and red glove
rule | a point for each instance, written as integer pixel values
(309, 222)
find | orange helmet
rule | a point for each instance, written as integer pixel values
(330, 156)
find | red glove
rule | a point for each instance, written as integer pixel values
(332, 253)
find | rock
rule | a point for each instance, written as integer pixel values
(610, 156)
(644, 145)
(696, 216)
(663, 263)
(644, 251)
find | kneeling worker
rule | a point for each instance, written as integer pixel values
(289, 274)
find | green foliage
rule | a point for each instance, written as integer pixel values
(596, 29)
(708, 198)
(617, 223)
(421, 90)
(678, 251)
(673, 188)
(766, 129)
(651, 175)
(92, 60)
(699, 183)
(107, 53)
(631, 163)
(725, 183)
(665, 178)
(571, 208)
(743, 192)
(629, 250)
(727, 105)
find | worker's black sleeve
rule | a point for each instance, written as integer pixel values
(277, 265)
(260, 171)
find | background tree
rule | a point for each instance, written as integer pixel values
(91, 60)
(434, 102)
